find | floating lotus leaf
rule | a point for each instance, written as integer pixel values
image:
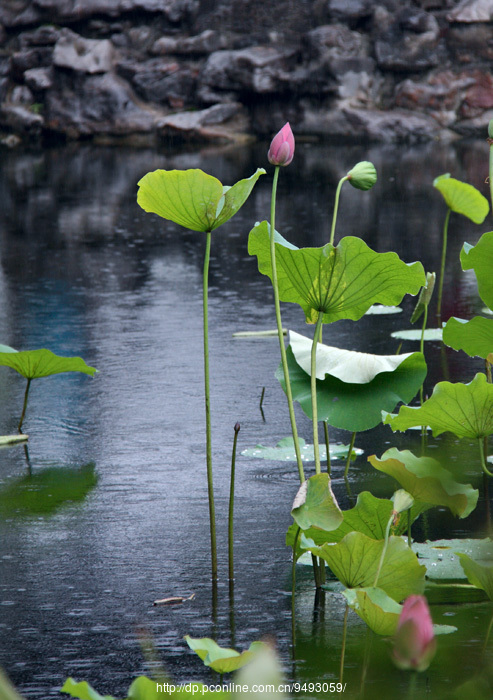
(7, 348)
(220, 659)
(370, 516)
(480, 575)
(376, 608)
(354, 561)
(474, 337)
(193, 199)
(33, 364)
(441, 556)
(284, 451)
(315, 504)
(347, 365)
(466, 410)
(427, 481)
(462, 198)
(83, 691)
(480, 259)
(356, 407)
(379, 310)
(342, 281)
(411, 334)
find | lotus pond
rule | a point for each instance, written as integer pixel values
(105, 509)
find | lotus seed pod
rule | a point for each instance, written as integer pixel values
(363, 176)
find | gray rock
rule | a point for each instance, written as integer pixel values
(205, 43)
(469, 43)
(192, 125)
(37, 57)
(39, 79)
(20, 118)
(440, 96)
(349, 9)
(395, 126)
(472, 11)
(159, 81)
(47, 35)
(411, 43)
(82, 55)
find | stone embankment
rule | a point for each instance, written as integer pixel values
(145, 70)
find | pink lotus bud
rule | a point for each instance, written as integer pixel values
(281, 149)
(414, 640)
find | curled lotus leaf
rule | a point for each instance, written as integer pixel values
(480, 259)
(462, 198)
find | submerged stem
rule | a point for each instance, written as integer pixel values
(210, 486)
(442, 266)
(24, 406)
(313, 385)
(284, 361)
(336, 207)
(350, 452)
(343, 645)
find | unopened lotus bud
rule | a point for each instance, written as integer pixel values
(237, 427)
(281, 151)
(414, 640)
(402, 501)
(363, 176)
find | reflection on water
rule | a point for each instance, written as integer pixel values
(85, 272)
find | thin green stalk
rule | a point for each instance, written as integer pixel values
(413, 677)
(313, 385)
(422, 346)
(282, 348)
(384, 550)
(491, 171)
(442, 266)
(336, 207)
(327, 447)
(293, 592)
(350, 452)
(26, 394)
(409, 523)
(232, 504)
(487, 635)
(210, 486)
(483, 460)
(343, 645)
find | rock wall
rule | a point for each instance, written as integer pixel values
(144, 70)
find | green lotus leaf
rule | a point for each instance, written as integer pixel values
(370, 516)
(466, 410)
(193, 199)
(315, 504)
(479, 575)
(427, 481)
(46, 491)
(354, 561)
(424, 296)
(82, 691)
(347, 365)
(342, 281)
(33, 364)
(284, 451)
(440, 556)
(462, 198)
(356, 407)
(221, 659)
(376, 608)
(480, 259)
(411, 334)
(474, 337)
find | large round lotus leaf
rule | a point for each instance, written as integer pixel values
(356, 407)
(33, 364)
(440, 556)
(466, 410)
(284, 451)
(342, 281)
(474, 337)
(315, 504)
(462, 198)
(480, 259)
(427, 481)
(347, 365)
(193, 199)
(355, 559)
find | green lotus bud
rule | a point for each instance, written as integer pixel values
(402, 501)
(490, 129)
(363, 176)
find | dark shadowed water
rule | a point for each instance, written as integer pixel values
(83, 271)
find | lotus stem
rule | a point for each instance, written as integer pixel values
(384, 550)
(336, 207)
(327, 447)
(293, 591)
(210, 485)
(26, 394)
(343, 645)
(349, 453)
(482, 457)
(491, 172)
(442, 266)
(284, 361)
(409, 523)
(422, 346)
(313, 385)
(232, 504)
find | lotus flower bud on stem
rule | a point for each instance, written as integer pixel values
(363, 176)
(281, 151)
(414, 640)
(402, 501)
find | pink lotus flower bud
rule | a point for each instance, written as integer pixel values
(414, 640)
(281, 149)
